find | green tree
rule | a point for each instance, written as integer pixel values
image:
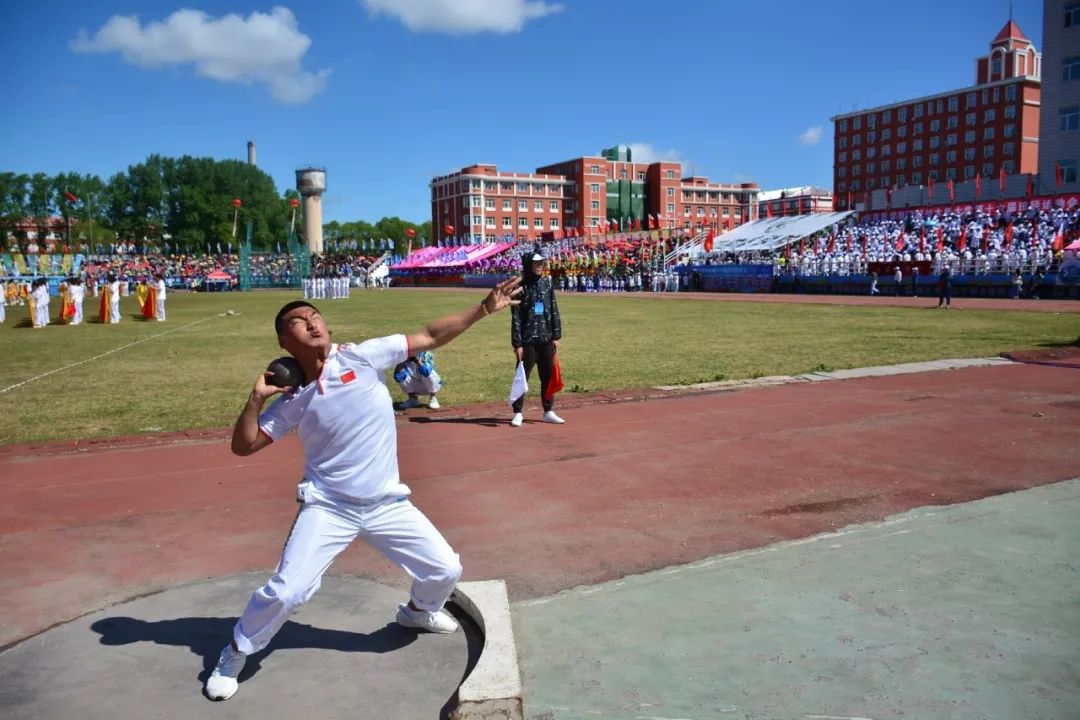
(40, 203)
(14, 200)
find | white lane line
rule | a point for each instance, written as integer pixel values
(110, 352)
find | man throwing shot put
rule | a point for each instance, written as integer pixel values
(345, 419)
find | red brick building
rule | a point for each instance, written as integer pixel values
(983, 129)
(589, 191)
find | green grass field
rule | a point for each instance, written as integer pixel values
(181, 375)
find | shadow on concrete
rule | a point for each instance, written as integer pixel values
(206, 636)
(474, 638)
(485, 421)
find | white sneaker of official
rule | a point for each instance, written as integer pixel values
(436, 622)
(551, 417)
(517, 420)
(222, 683)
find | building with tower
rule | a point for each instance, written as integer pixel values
(311, 184)
(986, 129)
(591, 191)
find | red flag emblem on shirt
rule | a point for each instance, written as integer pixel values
(348, 377)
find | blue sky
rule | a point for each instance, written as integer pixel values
(388, 93)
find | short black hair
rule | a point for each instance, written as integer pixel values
(288, 308)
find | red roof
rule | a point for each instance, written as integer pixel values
(1011, 30)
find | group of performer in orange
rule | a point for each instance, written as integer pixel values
(35, 296)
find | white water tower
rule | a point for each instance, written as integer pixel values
(311, 184)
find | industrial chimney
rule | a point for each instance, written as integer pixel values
(311, 184)
(251, 152)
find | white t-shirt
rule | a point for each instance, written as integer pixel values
(345, 420)
(160, 287)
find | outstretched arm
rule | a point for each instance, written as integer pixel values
(439, 332)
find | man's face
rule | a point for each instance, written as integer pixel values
(303, 330)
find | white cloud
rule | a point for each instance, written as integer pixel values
(811, 137)
(646, 153)
(262, 48)
(463, 17)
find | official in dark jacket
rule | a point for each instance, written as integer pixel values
(535, 332)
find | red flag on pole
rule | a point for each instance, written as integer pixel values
(961, 244)
(952, 191)
(901, 242)
(768, 210)
(709, 240)
(849, 200)
(864, 243)
(978, 186)
(832, 243)
(986, 238)
(1058, 175)
(1001, 179)
(1059, 238)
(922, 239)
(1030, 186)
(940, 239)
(555, 383)
(1008, 235)
(930, 196)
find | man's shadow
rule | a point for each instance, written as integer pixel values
(206, 636)
(485, 421)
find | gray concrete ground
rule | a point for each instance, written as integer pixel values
(341, 656)
(968, 611)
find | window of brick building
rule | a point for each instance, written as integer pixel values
(1072, 15)
(1068, 170)
(1069, 117)
(1070, 68)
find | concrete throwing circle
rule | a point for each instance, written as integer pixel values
(341, 655)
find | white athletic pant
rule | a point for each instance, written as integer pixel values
(114, 310)
(78, 313)
(393, 526)
(161, 308)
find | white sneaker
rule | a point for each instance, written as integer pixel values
(551, 417)
(436, 622)
(222, 683)
(410, 403)
(518, 419)
(433, 403)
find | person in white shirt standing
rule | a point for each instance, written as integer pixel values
(159, 288)
(40, 293)
(344, 415)
(77, 293)
(114, 299)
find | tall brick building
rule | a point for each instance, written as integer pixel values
(1059, 134)
(481, 201)
(989, 127)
